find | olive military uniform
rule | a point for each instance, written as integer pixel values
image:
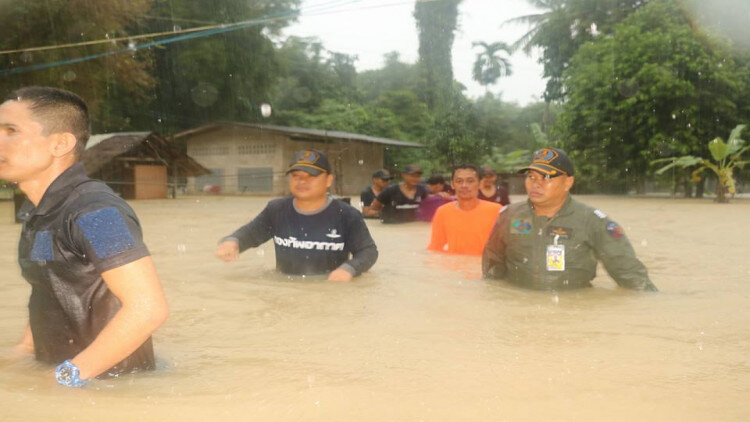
(560, 252)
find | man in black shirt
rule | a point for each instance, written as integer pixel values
(95, 296)
(380, 180)
(399, 203)
(312, 232)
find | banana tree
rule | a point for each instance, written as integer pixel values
(727, 156)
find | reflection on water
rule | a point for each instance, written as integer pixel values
(421, 336)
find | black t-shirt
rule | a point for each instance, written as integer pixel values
(367, 196)
(397, 207)
(79, 230)
(500, 196)
(314, 243)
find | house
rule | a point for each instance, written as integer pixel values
(252, 158)
(138, 165)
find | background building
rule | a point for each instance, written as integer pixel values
(252, 158)
(138, 165)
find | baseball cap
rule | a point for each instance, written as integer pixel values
(311, 161)
(551, 162)
(382, 174)
(411, 169)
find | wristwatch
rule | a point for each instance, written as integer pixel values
(67, 374)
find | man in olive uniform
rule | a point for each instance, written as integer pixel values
(552, 242)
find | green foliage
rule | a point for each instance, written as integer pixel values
(219, 77)
(509, 162)
(353, 118)
(651, 89)
(436, 23)
(727, 157)
(489, 66)
(105, 83)
(563, 27)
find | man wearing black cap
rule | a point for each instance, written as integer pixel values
(312, 232)
(380, 180)
(552, 242)
(399, 203)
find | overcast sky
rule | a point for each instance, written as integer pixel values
(371, 28)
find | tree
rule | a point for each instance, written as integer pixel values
(395, 75)
(105, 82)
(436, 23)
(653, 88)
(225, 76)
(563, 26)
(488, 66)
(727, 157)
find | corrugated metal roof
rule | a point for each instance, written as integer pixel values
(103, 148)
(302, 132)
(96, 139)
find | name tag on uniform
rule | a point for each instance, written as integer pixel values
(555, 257)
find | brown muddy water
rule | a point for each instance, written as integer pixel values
(421, 337)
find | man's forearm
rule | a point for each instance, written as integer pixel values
(362, 261)
(143, 310)
(369, 212)
(125, 333)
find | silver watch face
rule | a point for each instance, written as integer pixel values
(66, 374)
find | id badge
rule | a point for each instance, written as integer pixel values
(555, 257)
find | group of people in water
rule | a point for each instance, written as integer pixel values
(95, 295)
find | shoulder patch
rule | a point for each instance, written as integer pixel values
(599, 213)
(106, 231)
(614, 230)
(42, 248)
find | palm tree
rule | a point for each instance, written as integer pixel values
(563, 26)
(538, 22)
(489, 67)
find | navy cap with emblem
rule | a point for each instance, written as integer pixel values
(311, 161)
(550, 162)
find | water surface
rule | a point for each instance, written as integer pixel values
(421, 336)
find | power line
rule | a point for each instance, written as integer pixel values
(108, 40)
(190, 33)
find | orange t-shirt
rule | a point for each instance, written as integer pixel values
(463, 232)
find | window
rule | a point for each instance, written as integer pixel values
(257, 179)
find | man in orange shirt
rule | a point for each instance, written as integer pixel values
(463, 227)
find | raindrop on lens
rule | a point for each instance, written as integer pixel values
(265, 110)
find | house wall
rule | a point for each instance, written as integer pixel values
(150, 182)
(237, 154)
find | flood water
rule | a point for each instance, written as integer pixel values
(421, 337)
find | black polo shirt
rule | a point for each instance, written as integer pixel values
(397, 207)
(308, 243)
(80, 229)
